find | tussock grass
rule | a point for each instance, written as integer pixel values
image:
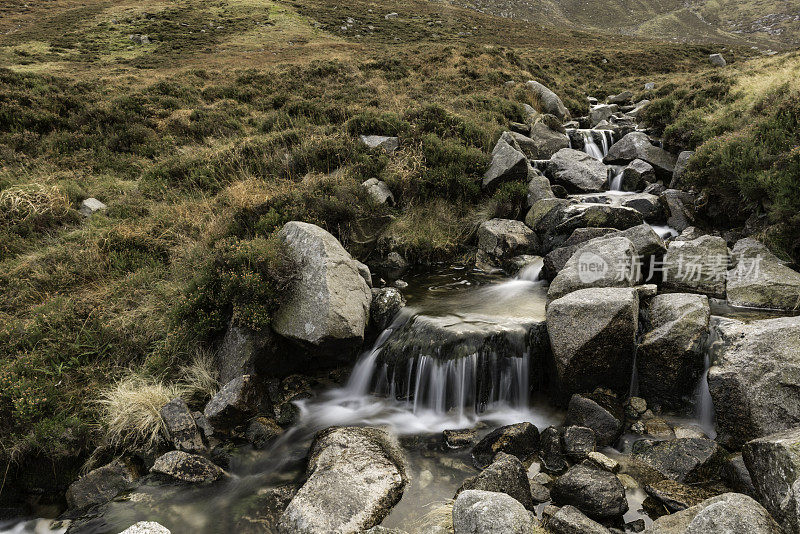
(32, 202)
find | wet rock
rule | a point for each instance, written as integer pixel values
(242, 350)
(676, 496)
(574, 216)
(637, 174)
(379, 192)
(101, 485)
(386, 303)
(505, 474)
(649, 205)
(597, 493)
(731, 513)
(524, 266)
(570, 520)
(680, 168)
(600, 353)
(551, 453)
(774, 465)
(689, 431)
(755, 379)
(658, 428)
(386, 143)
(181, 428)
(539, 492)
(90, 206)
(458, 439)
(677, 206)
(686, 460)
(577, 442)
(520, 440)
(203, 425)
(262, 431)
(328, 306)
(645, 240)
(185, 467)
(486, 512)
(394, 265)
(237, 401)
(717, 60)
(760, 280)
(146, 527)
(603, 462)
(670, 355)
(636, 145)
(355, 477)
(577, 171)
(548, 100)
(508, 164)
(608, 262)
(697, 266)
(500, 239)
(600, 412)
(736, 475)
(635, 407)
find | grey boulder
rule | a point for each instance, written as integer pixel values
(680, 168)
(505, 474)
(604, 262)
(595, 492)
(487, 512)
(379, 192)
(760, 280)
(181, 428)
(570, 520)
(501, 239)
(577, 171)
(697, 266)
(637, 145)
(600, 412)
(101, 485)
(508, 165)
(386, 304)
(545, 142)
(235, 403)
(729, 513)
(717, 60)
(184, 467)
(549, 102)
(685, 460)
(386, 143)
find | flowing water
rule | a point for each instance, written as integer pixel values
(590, 145)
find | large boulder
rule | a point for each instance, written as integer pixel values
(545, 142)
(755, 378)
(538, 188)
(520, 440)
(601, 413)
(680, 168)
(244, 352)
(101, 485)
(600, 113)
(577, 171)
(184, 467)
(328, 306)
(774, 465)
(697, 266)
(549, 102)
(670, 355)
(595, 492)
(487, 512)
(500, 239)
(551, 453)
(237, 401)
(678, 207)
(637, 145)
(729, 513)
(355, 476)
(570, 520)
(676, 496)
(686, 460)
(760, 280)
(603, 262)
(588, 215)
(600, 352)
(508, 165)
(505, 474)
(578, 441)
(181, 428)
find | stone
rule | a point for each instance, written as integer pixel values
(736, 475)
(679, 216)
(649, 86)
(139, 38)
(242, 351)
(237, 401)
(90, 206)
(544, 142)
(458, 439)
(604, 462)
(658, 428)
(505, 474)
(328, 305)
(595, 492)
(636, 175)
(774, 465)
(601, 113)
(577, 442)
(262, 432)
(181, 428)
(508, 165)
(551, 453)
(600, 353)
(500, 239)
(625, 97)
(486, 512)
(676, 496)
(101, 485)
(717, 60)
(697, 266)
(671, 354)
(567, 218)
(548, 101)
(146, 527)
(647, 204)
(394, 265)
(184, 467)
(637, 145)
(760, 280)
(386, 304)
(601, 413)
(729, 513)
(686, 460)
(525, 266)
(520, 440)
(570, 520)
(379, 192)
(755, 379)
(355, 475)
(577, 171)
(608, 262)
(538, 189)
(386, 143)
(680, 168)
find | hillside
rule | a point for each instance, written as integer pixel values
(768, 26)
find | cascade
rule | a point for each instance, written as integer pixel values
(590, 145)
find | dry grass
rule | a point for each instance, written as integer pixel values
(29, 202)
(438, 514)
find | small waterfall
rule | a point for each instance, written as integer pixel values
(590, 145)
(616, 182)
(704, 409)
(532, 271)
(634, 389)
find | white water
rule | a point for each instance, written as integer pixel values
(664, 231)
(591, 147)
(616, 182)
(704, 409)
